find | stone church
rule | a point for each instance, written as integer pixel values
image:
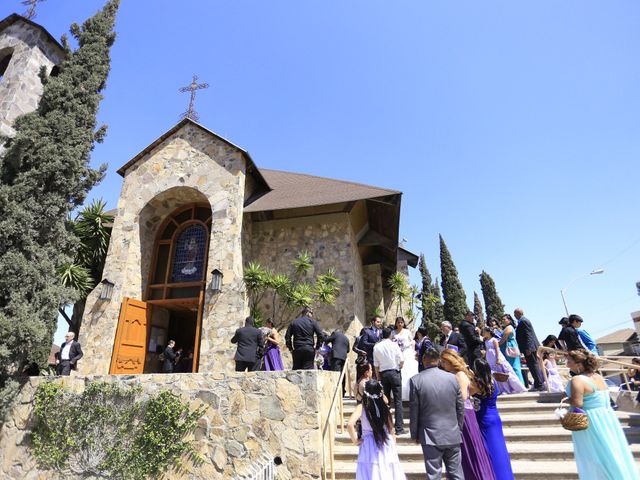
(193, 211)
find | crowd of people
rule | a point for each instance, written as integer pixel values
(452, 383)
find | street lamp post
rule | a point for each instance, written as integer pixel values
(564, 290)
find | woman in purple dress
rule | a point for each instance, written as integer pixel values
(484, 387)
(377, 456)
(272, 359)
(476, 463)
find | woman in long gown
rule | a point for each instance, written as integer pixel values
(403, 337)
(509, 345)
(554, 380)
(476, 463)
(601, 451)
(272, 358)
(484, 387)
(499, 364)
(377, 456)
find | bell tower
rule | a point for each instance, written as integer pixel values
(25, 47)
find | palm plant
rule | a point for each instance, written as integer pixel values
(399, 288)
(93, 231)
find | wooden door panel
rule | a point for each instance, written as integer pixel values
(130, 346)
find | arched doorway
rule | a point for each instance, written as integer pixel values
(173, 297)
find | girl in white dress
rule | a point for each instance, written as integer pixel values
(403, 337)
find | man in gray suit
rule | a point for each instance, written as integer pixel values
(437, 415)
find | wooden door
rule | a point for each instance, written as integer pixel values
(130, 346)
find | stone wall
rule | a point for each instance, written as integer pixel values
(20, 87)
(191, 165)
(278, 413)
(330, 241)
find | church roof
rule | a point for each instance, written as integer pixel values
(14, 17)
(298, 190)
(619, 336)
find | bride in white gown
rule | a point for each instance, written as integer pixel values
(403, 337)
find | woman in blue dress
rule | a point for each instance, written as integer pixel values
(601, 451)
(484, 387)
(508, 345)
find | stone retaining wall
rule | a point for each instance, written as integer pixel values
(280, 413)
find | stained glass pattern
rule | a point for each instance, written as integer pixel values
(188, 260)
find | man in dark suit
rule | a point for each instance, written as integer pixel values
(528, 344)
(248, 339)
(300, 342)
(472, 339)
(169, 357)
(449, 337)
(339, 350)
(437, 416)
(370, 336)
(69, 354)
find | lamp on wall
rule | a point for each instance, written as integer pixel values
(216, 281)
(107, 289)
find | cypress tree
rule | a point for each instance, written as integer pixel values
(430, 303)
(492, 303)
(455, 300)
(436, 312)
(44, 175)
(477, 310)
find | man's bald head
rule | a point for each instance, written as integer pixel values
(518, 312)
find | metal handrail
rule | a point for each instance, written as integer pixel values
(329, 425)
(603, 358)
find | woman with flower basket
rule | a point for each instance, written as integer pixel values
(601, 449)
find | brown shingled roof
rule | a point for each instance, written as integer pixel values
(297, 190)
(618, 336)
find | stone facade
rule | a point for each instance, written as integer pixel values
(20, 87)
(189, 166)
(330, 241)
(280, 414)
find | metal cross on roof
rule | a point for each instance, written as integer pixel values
(31, 13)
(191, 113)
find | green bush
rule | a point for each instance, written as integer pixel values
(106, 432)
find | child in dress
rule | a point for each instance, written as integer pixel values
(554, 380)
(378, 457)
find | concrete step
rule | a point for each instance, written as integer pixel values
(518, 434)
(522, 470)
(536, 420)
(539, 451)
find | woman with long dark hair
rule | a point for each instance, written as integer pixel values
(378, 457)
(509, 346)
(402, 336)
(484, 387)
(476, 463)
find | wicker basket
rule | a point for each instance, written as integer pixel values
(574, 421)
(501, 376)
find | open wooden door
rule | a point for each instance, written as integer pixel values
(130, 346)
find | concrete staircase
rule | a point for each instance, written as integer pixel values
(539, 447)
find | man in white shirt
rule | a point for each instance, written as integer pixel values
(69, 354)
(388, 361)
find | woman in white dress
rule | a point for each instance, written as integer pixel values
(403, 337)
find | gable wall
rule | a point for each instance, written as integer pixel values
(189, 166)
(21, 88)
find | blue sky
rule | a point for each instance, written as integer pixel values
(511, 127)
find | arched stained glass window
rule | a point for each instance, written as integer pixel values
(188, 260)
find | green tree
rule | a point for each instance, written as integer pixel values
(91, 227)
(400, 290)
(492, 303)
(430, 303)
(477, 310)
(44, 175)
(455, 300)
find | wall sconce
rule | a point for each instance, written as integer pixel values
(107, 289)
(216, 281)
